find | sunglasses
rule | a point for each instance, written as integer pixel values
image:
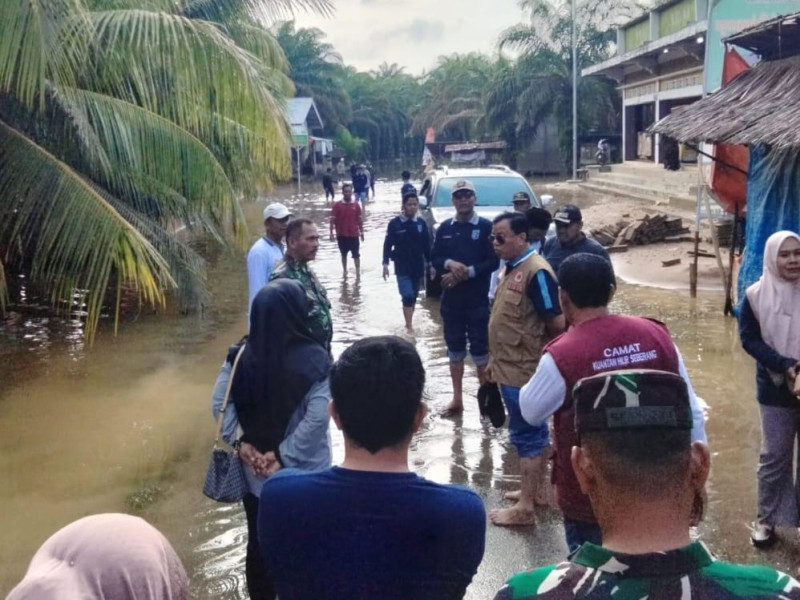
(463, 195)
(498, 239)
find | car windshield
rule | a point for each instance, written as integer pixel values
(490, 191)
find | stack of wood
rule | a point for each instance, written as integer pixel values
(647, 230)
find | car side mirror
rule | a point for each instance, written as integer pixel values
(423, 202)
(546, 199)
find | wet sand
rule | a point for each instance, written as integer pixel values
(84, 431)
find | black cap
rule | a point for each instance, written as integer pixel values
(538, 218)
(631, 399)
(569, 213)
(521, 197)
(410, 192)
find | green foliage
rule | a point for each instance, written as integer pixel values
(352, 146)
(123, 123)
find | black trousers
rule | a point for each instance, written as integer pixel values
(259, 580)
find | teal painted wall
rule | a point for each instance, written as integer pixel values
(732, 16)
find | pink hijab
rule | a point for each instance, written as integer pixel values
(776, 302)
(105, 557)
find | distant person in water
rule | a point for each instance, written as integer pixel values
(408, 245)
(327, 185)
(361, 184)
(372, 528)
(347, 228)
(407, 185)
(371, 172)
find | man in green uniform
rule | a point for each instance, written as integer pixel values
(646, 478)
(302, 243)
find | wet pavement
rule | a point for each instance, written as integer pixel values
(126, 425)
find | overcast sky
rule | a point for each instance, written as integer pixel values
(412, 33)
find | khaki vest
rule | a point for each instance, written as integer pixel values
(516, 333)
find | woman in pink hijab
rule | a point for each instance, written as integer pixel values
(769, 326)
(105, 557)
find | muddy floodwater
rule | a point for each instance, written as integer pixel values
(126, 424)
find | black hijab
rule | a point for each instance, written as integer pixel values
(280, 363)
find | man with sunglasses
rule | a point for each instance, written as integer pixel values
(463, 255)
(525, 315)
(268, 249)
(570, 238)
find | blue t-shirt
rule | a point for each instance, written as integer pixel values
(344, 534)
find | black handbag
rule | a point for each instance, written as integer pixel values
(225, 479)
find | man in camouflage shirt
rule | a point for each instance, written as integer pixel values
(302, 243)
(646, 479)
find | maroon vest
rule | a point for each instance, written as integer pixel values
(608, 343)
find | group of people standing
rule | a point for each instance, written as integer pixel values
(629, 452)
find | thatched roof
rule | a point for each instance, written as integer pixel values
(760, 106)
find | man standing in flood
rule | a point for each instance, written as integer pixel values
(268, 249)
(302, 243)
(525, 315)
(462, 252)
(347, 228)
(597, 341)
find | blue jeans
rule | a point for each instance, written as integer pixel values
(578, 532)
(529, 440)
(408, 286)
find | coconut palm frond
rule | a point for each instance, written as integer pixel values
(185, 70)
(46, 211)
(40, 41)
(136, 140)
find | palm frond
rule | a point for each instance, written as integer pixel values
(46, 211)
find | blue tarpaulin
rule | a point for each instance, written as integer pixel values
(773, 204)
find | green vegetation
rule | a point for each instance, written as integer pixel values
(125, 124)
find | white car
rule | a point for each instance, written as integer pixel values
(495, 186)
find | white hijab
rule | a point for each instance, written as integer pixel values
(776, 302)
(105, 557)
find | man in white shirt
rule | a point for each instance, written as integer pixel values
(268, 249)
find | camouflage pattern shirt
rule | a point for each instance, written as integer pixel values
(320, 322)
(690, 572)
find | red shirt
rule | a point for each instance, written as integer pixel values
(346, 218)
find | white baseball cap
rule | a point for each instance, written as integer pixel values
(276, 210)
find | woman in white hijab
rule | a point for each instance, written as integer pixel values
(105, 557)
(769, 327)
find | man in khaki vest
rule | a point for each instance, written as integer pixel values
(525, 315)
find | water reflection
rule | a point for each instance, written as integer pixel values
(85, 431)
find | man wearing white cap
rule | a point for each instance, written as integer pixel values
(267, 250)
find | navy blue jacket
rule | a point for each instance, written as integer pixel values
(360, 182)
(467, 243)
(767, 358)
(408, 244)
(555, 252)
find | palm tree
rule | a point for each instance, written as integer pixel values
(316, 70)
(454, 99)
(538, 84)
(123, 122)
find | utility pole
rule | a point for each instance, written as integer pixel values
(574, 93)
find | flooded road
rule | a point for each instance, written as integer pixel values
(126, 425)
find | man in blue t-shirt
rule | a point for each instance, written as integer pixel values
(570, 238)
(371, 528)
(463, 254)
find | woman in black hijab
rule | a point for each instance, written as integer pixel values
(280, 396)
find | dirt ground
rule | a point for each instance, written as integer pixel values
(643, 264)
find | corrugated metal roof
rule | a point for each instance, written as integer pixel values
(302, 109)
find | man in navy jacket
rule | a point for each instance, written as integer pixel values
(463, 254)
